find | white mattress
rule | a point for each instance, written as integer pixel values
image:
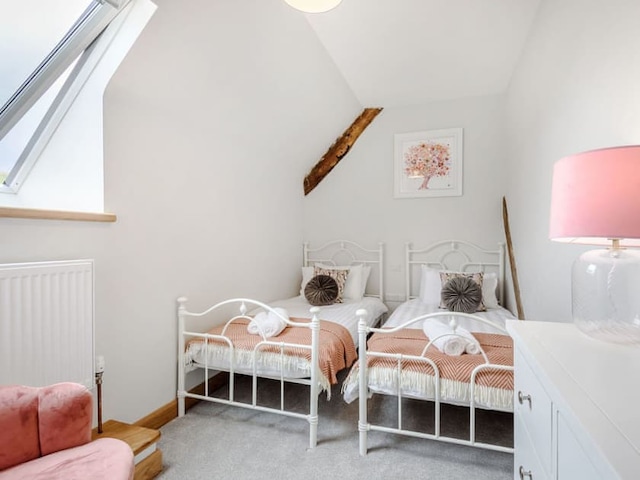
(341, 313)
(415, 308)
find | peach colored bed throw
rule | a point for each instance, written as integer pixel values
(410, 341)
(493, 388)
(336, 350)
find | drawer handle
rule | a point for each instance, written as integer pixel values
(524, 398)
(524, 473)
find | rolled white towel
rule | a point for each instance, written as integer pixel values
(268, 324)
(473, 347)
(449, 343)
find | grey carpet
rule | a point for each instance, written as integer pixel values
(219, 441)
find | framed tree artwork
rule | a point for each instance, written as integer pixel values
(428, 164)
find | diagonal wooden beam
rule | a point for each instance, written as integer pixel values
(339, 149)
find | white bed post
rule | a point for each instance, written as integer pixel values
(362, 380)
(305, 254)
(313, 406)
(381, 269)
(181, 313)
(407, 273)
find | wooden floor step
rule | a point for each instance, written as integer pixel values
(148, 457)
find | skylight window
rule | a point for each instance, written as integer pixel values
(40, 44)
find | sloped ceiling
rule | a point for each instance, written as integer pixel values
(410, 52)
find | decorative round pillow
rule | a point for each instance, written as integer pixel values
(321, 290)
(461, 294)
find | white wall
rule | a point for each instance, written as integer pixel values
(210, 124)
(355, 201)
(575, 89)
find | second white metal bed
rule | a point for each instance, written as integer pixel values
(401, 361)
(316, 343)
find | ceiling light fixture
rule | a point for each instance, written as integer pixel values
(313, 6)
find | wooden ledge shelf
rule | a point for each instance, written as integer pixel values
(142, 441)
(34, 213)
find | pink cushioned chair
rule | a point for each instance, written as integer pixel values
(45, 433)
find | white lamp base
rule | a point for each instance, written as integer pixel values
(606, 294)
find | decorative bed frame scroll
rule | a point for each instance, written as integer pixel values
(455, 255)
(344, 252)
(446, 255)
(339, 253)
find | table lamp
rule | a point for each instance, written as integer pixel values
(595, 199)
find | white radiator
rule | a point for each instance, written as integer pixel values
(46, 323)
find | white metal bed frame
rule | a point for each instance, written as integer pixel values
(463, 252)
(345, 252)
(340, 252)
(458, 255)
(313, 381)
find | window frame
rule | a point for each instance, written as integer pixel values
(79, 44)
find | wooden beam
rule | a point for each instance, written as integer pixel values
(339, 149)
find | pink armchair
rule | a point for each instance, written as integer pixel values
(45, 433)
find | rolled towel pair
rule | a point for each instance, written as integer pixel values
(448, 342)
(472, 347)
(268, 324)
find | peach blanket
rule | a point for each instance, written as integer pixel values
(336, 349)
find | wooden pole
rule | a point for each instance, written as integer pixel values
(512, 260)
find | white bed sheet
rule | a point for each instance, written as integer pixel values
(416, 307)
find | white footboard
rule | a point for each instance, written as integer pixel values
(394, 368)
(268, 358)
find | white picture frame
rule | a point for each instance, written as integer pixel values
(428, 163)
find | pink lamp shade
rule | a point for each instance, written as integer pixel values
(595, 197)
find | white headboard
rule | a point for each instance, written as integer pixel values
(344, 253)
(455, 255)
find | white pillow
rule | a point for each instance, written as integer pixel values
(353, 286)
(307, 274)
(489, 287)
(366, 271)
(431, 286)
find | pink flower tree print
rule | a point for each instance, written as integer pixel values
(427, 160)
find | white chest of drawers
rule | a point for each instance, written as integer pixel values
(577, 405)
